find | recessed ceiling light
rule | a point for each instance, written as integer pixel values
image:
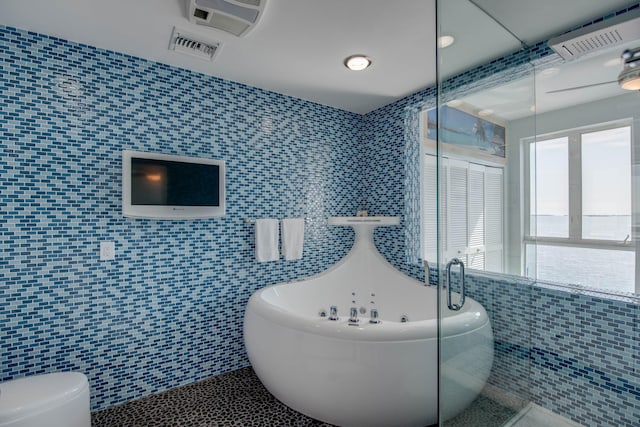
(445, 41)
(357, 62)
(485, 112)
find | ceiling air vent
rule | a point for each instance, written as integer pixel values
(237, 17)
(611, 32)
(190, 44)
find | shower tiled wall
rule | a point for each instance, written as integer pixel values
(585, 356)
(168, 311)
(575, 353)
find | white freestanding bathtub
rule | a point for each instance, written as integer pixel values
(360, 373)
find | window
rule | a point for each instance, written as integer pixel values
(471, 210)
(579, 208)
(549, 195)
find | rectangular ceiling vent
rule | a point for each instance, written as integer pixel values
(236, 17)
(611, 32)
(193, 45)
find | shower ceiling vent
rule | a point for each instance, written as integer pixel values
(237, 17)
(615, 31)
(193, 45)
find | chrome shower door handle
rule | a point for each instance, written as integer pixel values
(452, 306)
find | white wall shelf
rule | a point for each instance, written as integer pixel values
(379, 221)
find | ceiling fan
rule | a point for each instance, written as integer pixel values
(629, 77)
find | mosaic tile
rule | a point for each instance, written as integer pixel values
(168, 311)
(583, 357)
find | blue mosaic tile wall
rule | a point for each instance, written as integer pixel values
(508, 304)
(168, 311)
(385, 158)
(586, 349)
(573, 352)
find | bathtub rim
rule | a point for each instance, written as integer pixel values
(471, 318)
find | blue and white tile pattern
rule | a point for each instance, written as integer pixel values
(168, 311)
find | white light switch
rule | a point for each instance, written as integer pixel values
(107, 251)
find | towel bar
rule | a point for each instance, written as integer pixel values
(253, 221)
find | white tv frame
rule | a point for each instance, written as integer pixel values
(169, 212)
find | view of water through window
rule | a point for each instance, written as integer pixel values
(607, 269)
(581, 209)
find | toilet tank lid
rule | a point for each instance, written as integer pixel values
(37, 393)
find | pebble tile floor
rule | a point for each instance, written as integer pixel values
(238, 398)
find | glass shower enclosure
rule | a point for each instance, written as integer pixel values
(471, 147)
(529, 197)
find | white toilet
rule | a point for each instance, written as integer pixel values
(50, 400)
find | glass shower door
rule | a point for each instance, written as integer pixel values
(534, 177)
(484, 321)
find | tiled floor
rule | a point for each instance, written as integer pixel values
(239, 399)
(234, 399)
(483, 412)
(536, 416)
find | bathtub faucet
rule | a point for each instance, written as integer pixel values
(353, 318)
(374, 317)
(333, 313)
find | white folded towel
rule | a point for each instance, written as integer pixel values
(267, 239)
(292, 238)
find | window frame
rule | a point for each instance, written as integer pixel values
(574, 238)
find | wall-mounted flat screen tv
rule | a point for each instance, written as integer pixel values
(163, 186)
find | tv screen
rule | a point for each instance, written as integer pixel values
(167, 186)
(163, 182)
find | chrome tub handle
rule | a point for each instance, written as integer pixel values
(455, 307)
